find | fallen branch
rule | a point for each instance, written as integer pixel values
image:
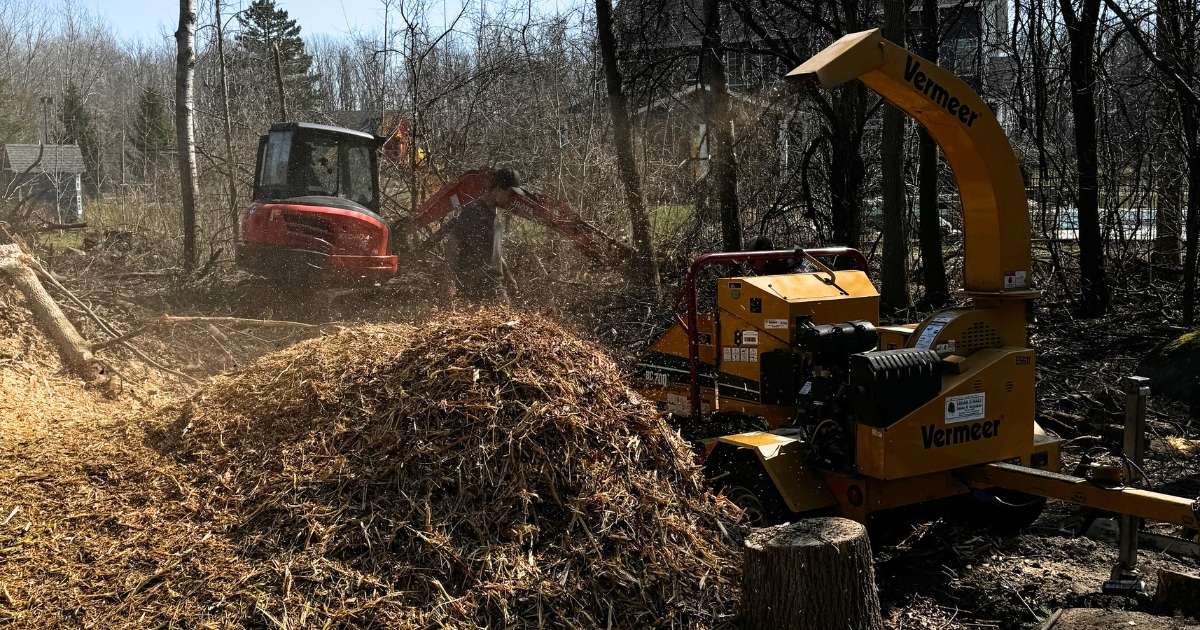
(164, 320)
(50, 318)
(50, 227)
(161, 273)
(105, 326)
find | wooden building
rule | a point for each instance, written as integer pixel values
(46, 179)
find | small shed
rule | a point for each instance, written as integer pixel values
(49, 175)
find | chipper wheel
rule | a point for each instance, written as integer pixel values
(740, 477)
(757, 510)
(1002, 511)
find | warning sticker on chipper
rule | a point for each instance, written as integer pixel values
(1014, 280)
(965, 407)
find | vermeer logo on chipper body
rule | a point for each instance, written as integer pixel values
(937, 93)
(932, 436)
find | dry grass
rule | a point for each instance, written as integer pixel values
(486, 470)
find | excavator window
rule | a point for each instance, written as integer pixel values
(317, 163)
(359, 182)
(321, 162)
(273, 175)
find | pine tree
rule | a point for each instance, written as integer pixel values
(263, 26)
(80, 128)
(152, 128)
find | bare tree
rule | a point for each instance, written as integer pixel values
(419, 49)
(647, 267)
(894, 272)
(847, 119)
(1179, 37)
(790, 31)
(932, 265)
(1081, 31)
(231, 176)
(1169, 213)
(185, 62)
(719, 126)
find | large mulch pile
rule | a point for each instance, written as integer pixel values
(483, 470)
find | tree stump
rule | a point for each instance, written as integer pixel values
(816, 574)
(1178, 593)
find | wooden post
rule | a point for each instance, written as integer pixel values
(49, 317)
(816, 574)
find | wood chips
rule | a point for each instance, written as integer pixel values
(483, 470)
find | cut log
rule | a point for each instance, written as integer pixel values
(49, 317)
(1178, 593)
(816, 574)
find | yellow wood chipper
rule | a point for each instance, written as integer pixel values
(857, 417)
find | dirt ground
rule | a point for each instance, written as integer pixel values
(943, 574)
(1094, 619)
(952, 577)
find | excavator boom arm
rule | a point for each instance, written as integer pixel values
(425, 227)
(560, 217)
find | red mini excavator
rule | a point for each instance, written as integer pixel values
(316, 208)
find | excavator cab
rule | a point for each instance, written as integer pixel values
(316, 203)
(298, 160)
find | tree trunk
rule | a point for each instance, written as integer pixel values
(816, 574)
(846, 121)
(1168, 215)
(230, 174)
(720, 126)
(894, 271)
(279, 88)
(1191, 130)
(646, 268)
(185, 62)
(49, 317)
(1040, 81)
(414, 78)
(932, 264)
(1081, 30)
(846, 169)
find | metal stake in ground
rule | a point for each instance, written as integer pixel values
(1125, 578)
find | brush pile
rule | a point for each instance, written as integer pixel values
(484, 470)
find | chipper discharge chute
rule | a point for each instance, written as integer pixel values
(856, 417)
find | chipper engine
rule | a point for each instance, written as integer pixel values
(856, 417)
